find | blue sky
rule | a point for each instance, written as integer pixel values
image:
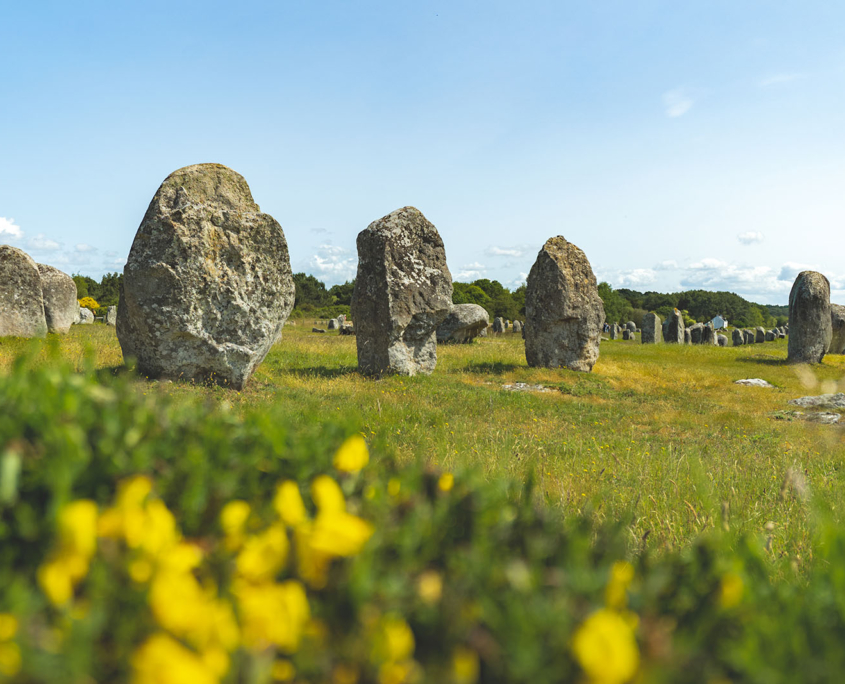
(679, 144)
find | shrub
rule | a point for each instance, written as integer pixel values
(155, 537)
(89, 303)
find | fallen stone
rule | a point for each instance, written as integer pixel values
(318, 330)
(753, 382)
(525, 387)
(820, 401)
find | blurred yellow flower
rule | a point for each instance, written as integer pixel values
(78, 528)
(731, 591)
(352, 455)
(446, 482)
(616, 592)
(430, 586)
(464, 666)
(233, 518)
(327, 495)
(272, 614)
(264, 554)
(394, 641)
(163, 660)
(606, 649)
(8, 626)
(10, 659)
(288, 503)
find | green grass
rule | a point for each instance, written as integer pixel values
(657, 434)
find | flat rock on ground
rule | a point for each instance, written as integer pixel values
(753, 382)
(821, 401)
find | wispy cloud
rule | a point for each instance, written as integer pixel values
(41, 243)
(319, 231)
(82, 247)
(333, 264)
(9, 229)
(668, 265)
(779, 79)
(744, 279)
(677, 102)
(504, 251)
(471, 272)
(750, 237)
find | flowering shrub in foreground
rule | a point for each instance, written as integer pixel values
(155, 540)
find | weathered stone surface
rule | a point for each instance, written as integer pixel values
(615, 330)
(652, 329)
(737, 337)
(564, 314)
(753, 382)
(463, 324)
(517, 326)
(750, 337)
(759, 334)
(674, 333)
(687, 336)
(403, 291)
(630, 325)
(111, 316)
(207, 286)
(627, 334)
(334, 324)
(708, 335)
(770, 336)
(21, 300)
(837, 325)
(61, 308)
(836, 401)
(695, 332)
(498, 324)
(86, 316)
(809, 318)
(722, 340)
(341, 319)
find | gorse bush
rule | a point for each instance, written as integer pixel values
(156, 540)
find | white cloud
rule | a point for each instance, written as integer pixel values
(504, 251)
(635, 277)
(471, 272)
(82, 247)
(332, 249)
(41, 243)
(668, 265)
(677, 102)
(713, 274)
(750, 237)
(9, 228)
(778, 79)
(333, 264)
(790, 270)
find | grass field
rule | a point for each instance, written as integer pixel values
(659, 435)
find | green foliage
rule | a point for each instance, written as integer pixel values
(467, 293)
(342, 294)
(617, 309)
(493, 296)
(106, 292)
(310, 292)
(515, 580)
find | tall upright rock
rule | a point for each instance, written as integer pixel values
(809, 318)
(207, 286)
(403, 292)
(837, 324)
(61, 308)
(564, 314)
(652, 329)
(674, 328)
(21, 299)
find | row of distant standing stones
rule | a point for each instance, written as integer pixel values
(208, 286)
(672, 330)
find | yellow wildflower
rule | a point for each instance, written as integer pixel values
(263, 555)
(10, 659)
(616, 592)
(288, 504)
(233, 518)
(283, 670)
(8, 626)
(446, 482)
(163, 660)
(327, 495)
(731, 591)
(272, 614)
(464, 666)
(78, 528)
(430, 586)
(352, 455)
(394, 641)
(398, 673)
(606, 649)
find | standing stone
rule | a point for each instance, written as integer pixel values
(750, 337)
(86, 316)
(207, 286)
(759, 334)
(687, 336)
(722, 340)
(21, 300)
(111, 316)
(564, 314)
(630, 325)
(627, 334)
(507, 324)
(738, 337)
(463, 324)
(770, 336)
(61, 308)
(498, 324)
(402, 293)
(696, 332)
(614, 331)
(334, 324)
(674, 328)
(652, 329)
(341, 319)
(517, 326)
(708, 335)
(809, 318)
(837, 324)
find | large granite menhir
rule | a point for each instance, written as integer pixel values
(403, 292)
(674, 328)
(61, 308)
(809, 318)
(21, 300)
(207, 286)
(564, 314)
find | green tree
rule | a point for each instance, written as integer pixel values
(617, 309)
(466, 293)
(342, 294)
(310, 292)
